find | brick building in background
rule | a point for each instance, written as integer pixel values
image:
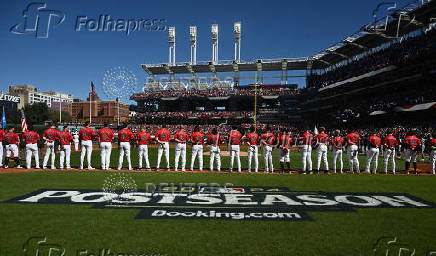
(99, 110)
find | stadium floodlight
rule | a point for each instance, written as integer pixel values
(215, 43)
(172, 41)
(193, 37)
(237, 35)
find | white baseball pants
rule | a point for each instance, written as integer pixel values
(337, 153)
(65, 154)
(49, 150)
(143, 152)
(180, 151)
(234, 152)
(197, 150)
(124, 149)
(215, 153)
(267, 155)
(370, 155)
(32, 148)
(321, 153)
(253, 152)
(306, 157)
(352, 153)
(389, 155)
(105, 155)
(86, 149)
(165, 149)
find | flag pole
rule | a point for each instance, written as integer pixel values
(118, 106)
(60, 112)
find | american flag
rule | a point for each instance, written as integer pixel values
(23, 122)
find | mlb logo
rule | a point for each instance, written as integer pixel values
(222, 190)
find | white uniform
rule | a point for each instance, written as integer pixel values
(165, 149)
(180, 151)
(1, 153)
(76, 141)
(65, 154)
(321, 153)
(215, 153)
(433, 160)
(143, 152)
(371, 154)
(49, 150)
(389, 154)
(235, 152)
(284, 155)
(32, 148)
(410, 155)
(11, 149)
(124, 149)
(197, 150)
(337, 153)
(352, 152)
(86, 149)
(253, 151)
(306, 158)
(105, 154)
(267, 154)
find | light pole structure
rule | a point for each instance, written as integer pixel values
(172, 42)
(193, 39)
(215, 43)
(237, 37)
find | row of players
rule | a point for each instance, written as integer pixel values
(267, 141)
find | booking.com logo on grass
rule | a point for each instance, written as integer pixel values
(39, 20)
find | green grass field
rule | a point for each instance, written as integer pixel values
(80, 227)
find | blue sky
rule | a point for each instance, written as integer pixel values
(68, 60)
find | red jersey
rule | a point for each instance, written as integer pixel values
(11, 138)
(375, 140)
(390, 141)
(322, 138)
(285, 141)
(106, 135)
(86, 133)
(125, 135)
(252, 138)
(306, 139)
(181, 135)
(143, 138)
(2, 135)
(51, 134)
(197, 138)
(163, 135)
(30, 137)
(338, 142)
(214, 139)
(65, 138)
(235, 138)
(412, 142)
(433, 143)
(353, 138)
(269, 138)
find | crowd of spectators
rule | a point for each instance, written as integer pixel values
(397, 53)
(216, 93)
(196, 114)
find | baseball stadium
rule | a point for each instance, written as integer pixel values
(235, 157)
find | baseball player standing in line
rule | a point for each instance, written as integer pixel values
(268, 141)
(12, 140)
(181, 138)
(2, 138)
(338, 144)
(432, 145)
(86, 134)
(373, 152)
(65, 139)
(214, 140)
(163, 138)
(125, 135)
(31, 139)
(50, 136)
(306, 141)
(197, 139)
(353, 140)
(252, 141)
(390, 143)
(105, 135)
(234, 148)
(322, 140)
(411, 148)
(284, 148)
(76, 140)
(143, 137)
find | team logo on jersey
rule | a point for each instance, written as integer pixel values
(224, 203)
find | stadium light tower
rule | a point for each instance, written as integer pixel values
(237, 34)
(172, 42)
(215, 43)
(193, 37)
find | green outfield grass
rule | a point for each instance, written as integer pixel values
(331, 233)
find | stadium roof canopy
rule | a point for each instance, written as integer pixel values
(227, 66)
(399, 22)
